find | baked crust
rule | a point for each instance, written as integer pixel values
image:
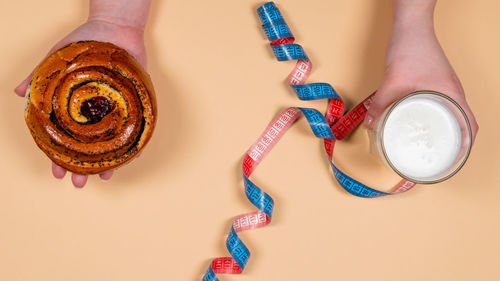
(76, 73)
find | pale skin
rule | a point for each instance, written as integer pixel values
(119, 22)
(414, 59)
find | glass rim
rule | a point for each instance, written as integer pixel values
(441, 95)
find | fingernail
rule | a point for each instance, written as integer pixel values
(16, 91)
(105, 177)
(368, 121)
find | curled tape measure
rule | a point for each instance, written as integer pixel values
(331, 127)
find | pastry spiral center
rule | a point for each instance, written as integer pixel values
(94, 109)
(91, 101)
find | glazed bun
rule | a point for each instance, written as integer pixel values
(90, 107)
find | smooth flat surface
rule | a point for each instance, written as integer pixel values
(422, 138)
(166, 215)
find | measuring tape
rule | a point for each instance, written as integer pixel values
(333, 126)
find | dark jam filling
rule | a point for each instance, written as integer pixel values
(94, 109)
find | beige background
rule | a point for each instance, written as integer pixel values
(166, 215)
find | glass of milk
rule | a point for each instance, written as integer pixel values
(425, 137)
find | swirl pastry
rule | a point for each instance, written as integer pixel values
(90, 107)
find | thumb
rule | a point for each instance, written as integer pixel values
(20, 90)
(381, 100)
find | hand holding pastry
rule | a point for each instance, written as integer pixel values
(121, 23)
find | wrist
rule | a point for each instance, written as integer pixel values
(125, 13)
(413, 18)
(414, 12)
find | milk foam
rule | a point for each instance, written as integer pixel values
(421, 138)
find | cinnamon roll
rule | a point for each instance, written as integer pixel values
(90, 107)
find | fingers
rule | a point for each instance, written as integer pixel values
(106, 175)
(472, 119)
(374, 111)
(20, 90)
(474, 126)
(79, 180)
(382, 99)
(58, 171)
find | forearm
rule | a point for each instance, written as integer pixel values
(132, 13)
(413, 7)
(413, 13)
(412, 30)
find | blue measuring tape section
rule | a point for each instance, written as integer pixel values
(333, 126)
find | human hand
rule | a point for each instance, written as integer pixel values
(98, 28)
(415, 61)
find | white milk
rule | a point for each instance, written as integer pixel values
(421, 138)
